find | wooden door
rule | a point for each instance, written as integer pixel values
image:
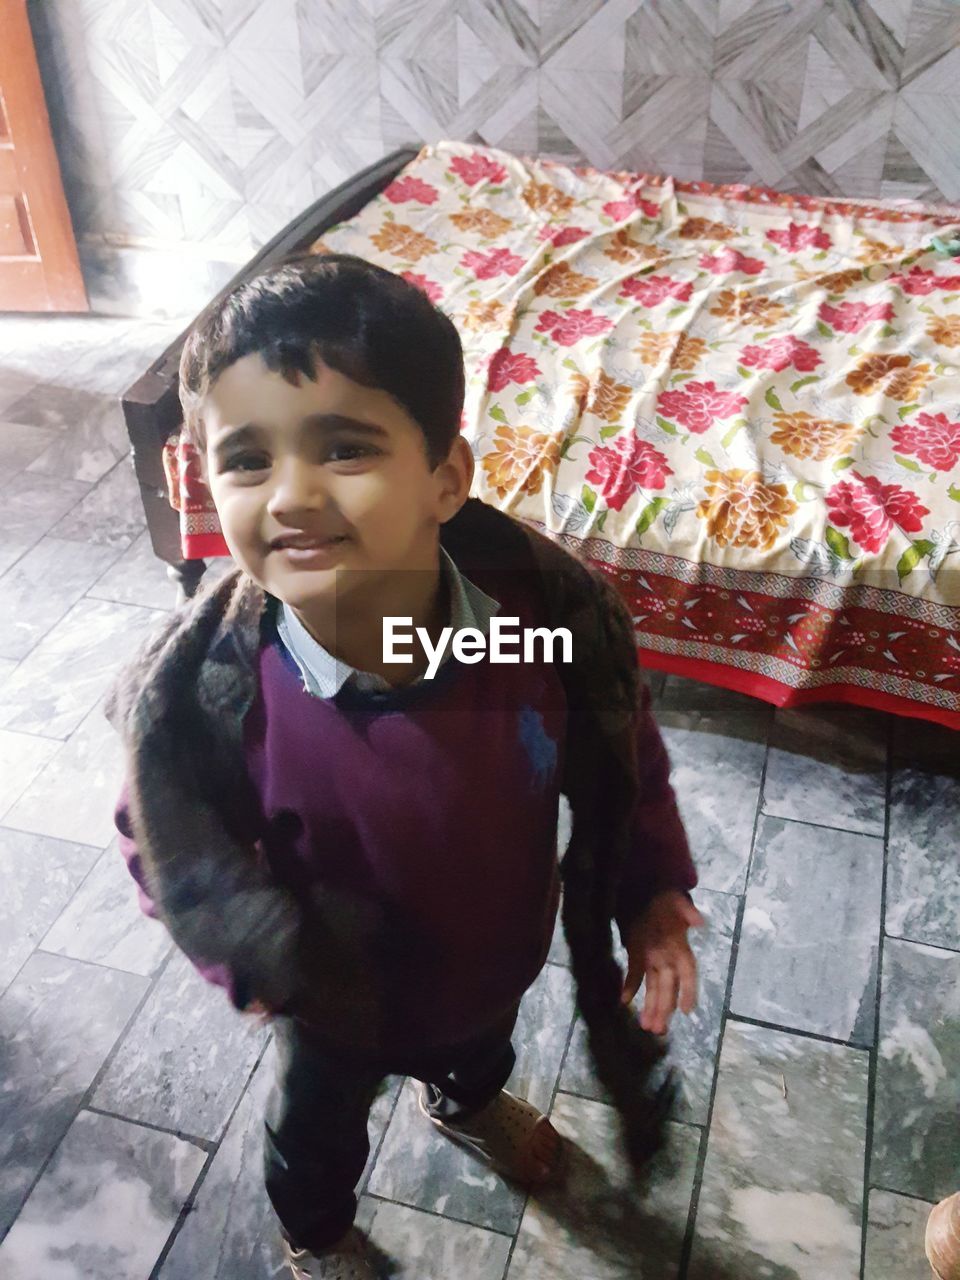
(39, 268)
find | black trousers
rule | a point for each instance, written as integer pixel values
(315, 1140)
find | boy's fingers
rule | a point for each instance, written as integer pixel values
(687, 967)
(691, 916)
(649, 1002)
(661, 1000)
(668, 997)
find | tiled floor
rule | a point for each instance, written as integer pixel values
(820, 1077)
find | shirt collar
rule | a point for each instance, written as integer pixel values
(324, 675)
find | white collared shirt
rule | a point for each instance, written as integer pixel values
(324, 675)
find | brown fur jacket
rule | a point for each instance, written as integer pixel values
(180, 708)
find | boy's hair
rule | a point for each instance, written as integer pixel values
(360, 319)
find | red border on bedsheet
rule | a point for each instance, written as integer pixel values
(790, 641)
(781, 695)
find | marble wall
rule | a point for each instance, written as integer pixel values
(190, 131)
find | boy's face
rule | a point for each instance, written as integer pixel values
(322, 477)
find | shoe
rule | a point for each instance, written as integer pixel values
(348, 1259)
(511, 1136)
(942, 1239)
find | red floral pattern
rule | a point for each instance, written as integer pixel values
(780, 353)
(699, 404)
(918, 282)
(932, 438)
(403, 189)
(559, 236)
(850, 317)
(477, 168)
(433, 290)
(797, 236)
(495, 262)
(870, 509)
(508, 366)
(652, 290)
(620, 209)
(727, 260)
(625, 467)
(569, 327)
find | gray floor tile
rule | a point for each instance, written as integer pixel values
(19, 446)
(74, 794)
(14, 383)
(111, 515)
(22, 757)
(811, 931)
(104, 1206)
(103, 924)
(541, 1034)
(915, 1148)
(92, 436)
(112, 368)
(138, 577)
(559, 951)
(828, 765)
(232, 1232)
(422, 1247)
(39, 876)
(419, 1167)
(48, 347)
(717, 781)
(783, 1180)
(61, 681)
(41, 587)
(694, 1039)
(60, 1020)
(690, 704)
(185, 1060)
(923, 888)
(600, 1224)
(895, 1229)
(30, 509)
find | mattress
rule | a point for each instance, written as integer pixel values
(743, 406)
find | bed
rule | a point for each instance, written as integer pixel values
(743, 406)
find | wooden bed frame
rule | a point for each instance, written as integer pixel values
(151, 406)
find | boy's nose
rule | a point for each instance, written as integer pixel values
(297, 488)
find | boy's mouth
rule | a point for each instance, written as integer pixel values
(308, 551)
(305, 542)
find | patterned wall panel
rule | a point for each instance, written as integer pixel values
(199, 127)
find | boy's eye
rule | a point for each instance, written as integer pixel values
(350, 452)
(246, 462)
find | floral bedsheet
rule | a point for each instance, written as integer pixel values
(744, 406)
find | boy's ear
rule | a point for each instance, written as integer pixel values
(455, 476)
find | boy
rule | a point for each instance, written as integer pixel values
(364, 855)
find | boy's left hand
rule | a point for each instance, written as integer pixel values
(657, 949)
(260, 1011)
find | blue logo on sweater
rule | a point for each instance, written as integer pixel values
(540, 747)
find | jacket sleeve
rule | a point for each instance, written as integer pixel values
(659, 854)
(219, 975)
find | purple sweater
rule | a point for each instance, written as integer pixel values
(440, 801)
